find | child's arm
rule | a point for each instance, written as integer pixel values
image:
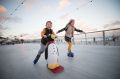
(78, 30)
(62, 30)
(54, 34)
(42, 33)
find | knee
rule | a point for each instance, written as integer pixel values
(40, 51)
(69, 43)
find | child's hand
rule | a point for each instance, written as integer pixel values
(44, 36)
(53, 36)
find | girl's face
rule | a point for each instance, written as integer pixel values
(49, 25)
(72, 23)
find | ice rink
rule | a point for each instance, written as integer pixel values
(90, 62)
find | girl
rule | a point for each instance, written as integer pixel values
(69, 32)
(46, 31)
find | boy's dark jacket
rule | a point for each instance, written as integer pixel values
(46, 32)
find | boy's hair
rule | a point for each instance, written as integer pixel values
(48, 22)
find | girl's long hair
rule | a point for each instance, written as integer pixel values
(69, 23)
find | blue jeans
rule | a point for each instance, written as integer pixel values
(42, 49)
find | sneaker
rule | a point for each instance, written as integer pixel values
(36, 59)
(70, 54)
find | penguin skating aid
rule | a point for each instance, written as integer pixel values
(51, 56)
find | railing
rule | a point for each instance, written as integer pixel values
(103, 37)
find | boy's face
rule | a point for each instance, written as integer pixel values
(49, 25)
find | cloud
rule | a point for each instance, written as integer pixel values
(46, 9)
(3, 19)
(65, 16)
(63, 4)
(2, 28)
(10, 19)
(29, 3)
(2, 9)
(87, 28)
(83, 25)
(114, 24)
(1, 34)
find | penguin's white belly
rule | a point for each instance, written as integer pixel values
(52, 54)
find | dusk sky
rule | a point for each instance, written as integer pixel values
(31, 16)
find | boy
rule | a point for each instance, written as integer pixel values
(46, 31)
